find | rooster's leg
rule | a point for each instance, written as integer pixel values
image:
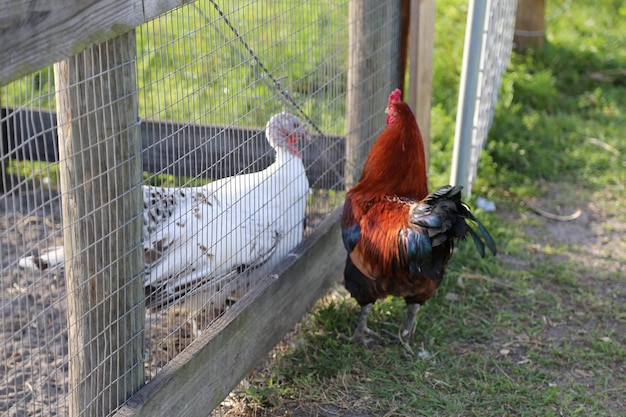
(406, 334)
(361, 327)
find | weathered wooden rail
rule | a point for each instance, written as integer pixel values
(37, 33)
(208, 369)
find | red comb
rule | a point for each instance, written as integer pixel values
(395, 96)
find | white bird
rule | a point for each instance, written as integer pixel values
(200, 237)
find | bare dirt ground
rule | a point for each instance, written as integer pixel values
(33, 335)
(33, 330)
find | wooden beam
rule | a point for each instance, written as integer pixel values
(530, 30)
(198, 379)
(37, 33)
(403, 57)
(372, 75)
(102, 208)
(421, 45)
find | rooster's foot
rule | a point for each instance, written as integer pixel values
(360, 337)
(362, 329)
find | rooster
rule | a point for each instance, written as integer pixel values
(399, 237)
(195, 237)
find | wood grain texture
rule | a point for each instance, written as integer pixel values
(102, 205)
(37, 33)
(422, 46)
(198, 379)
(530, 25)
(373, 50)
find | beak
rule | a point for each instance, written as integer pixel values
(303, 134)
(300, 133)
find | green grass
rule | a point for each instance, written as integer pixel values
(539, 330)
(199, 78)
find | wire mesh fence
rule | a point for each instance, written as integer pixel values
(202, 114)
(34, 333)
(224, 200)
(488, 45)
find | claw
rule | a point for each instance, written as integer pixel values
(359, 337)
(362, 329)
(405, 336)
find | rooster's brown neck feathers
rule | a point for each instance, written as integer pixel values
(396, 163)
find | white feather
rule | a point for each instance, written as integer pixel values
(195, 237)
(50, 259)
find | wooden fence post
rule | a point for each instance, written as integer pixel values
(403, 54)
(530, 30)
(421, 47)
(368, 86)
(100, 173)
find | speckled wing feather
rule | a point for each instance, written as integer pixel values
(198, 237)
(206, 235)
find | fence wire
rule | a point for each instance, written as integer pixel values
(245, 62)
(33, 328)
(209, 76)
(481, 82)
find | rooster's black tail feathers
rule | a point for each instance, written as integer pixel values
(478, 242)
(442, 215)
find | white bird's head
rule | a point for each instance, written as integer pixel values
(283, 131)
